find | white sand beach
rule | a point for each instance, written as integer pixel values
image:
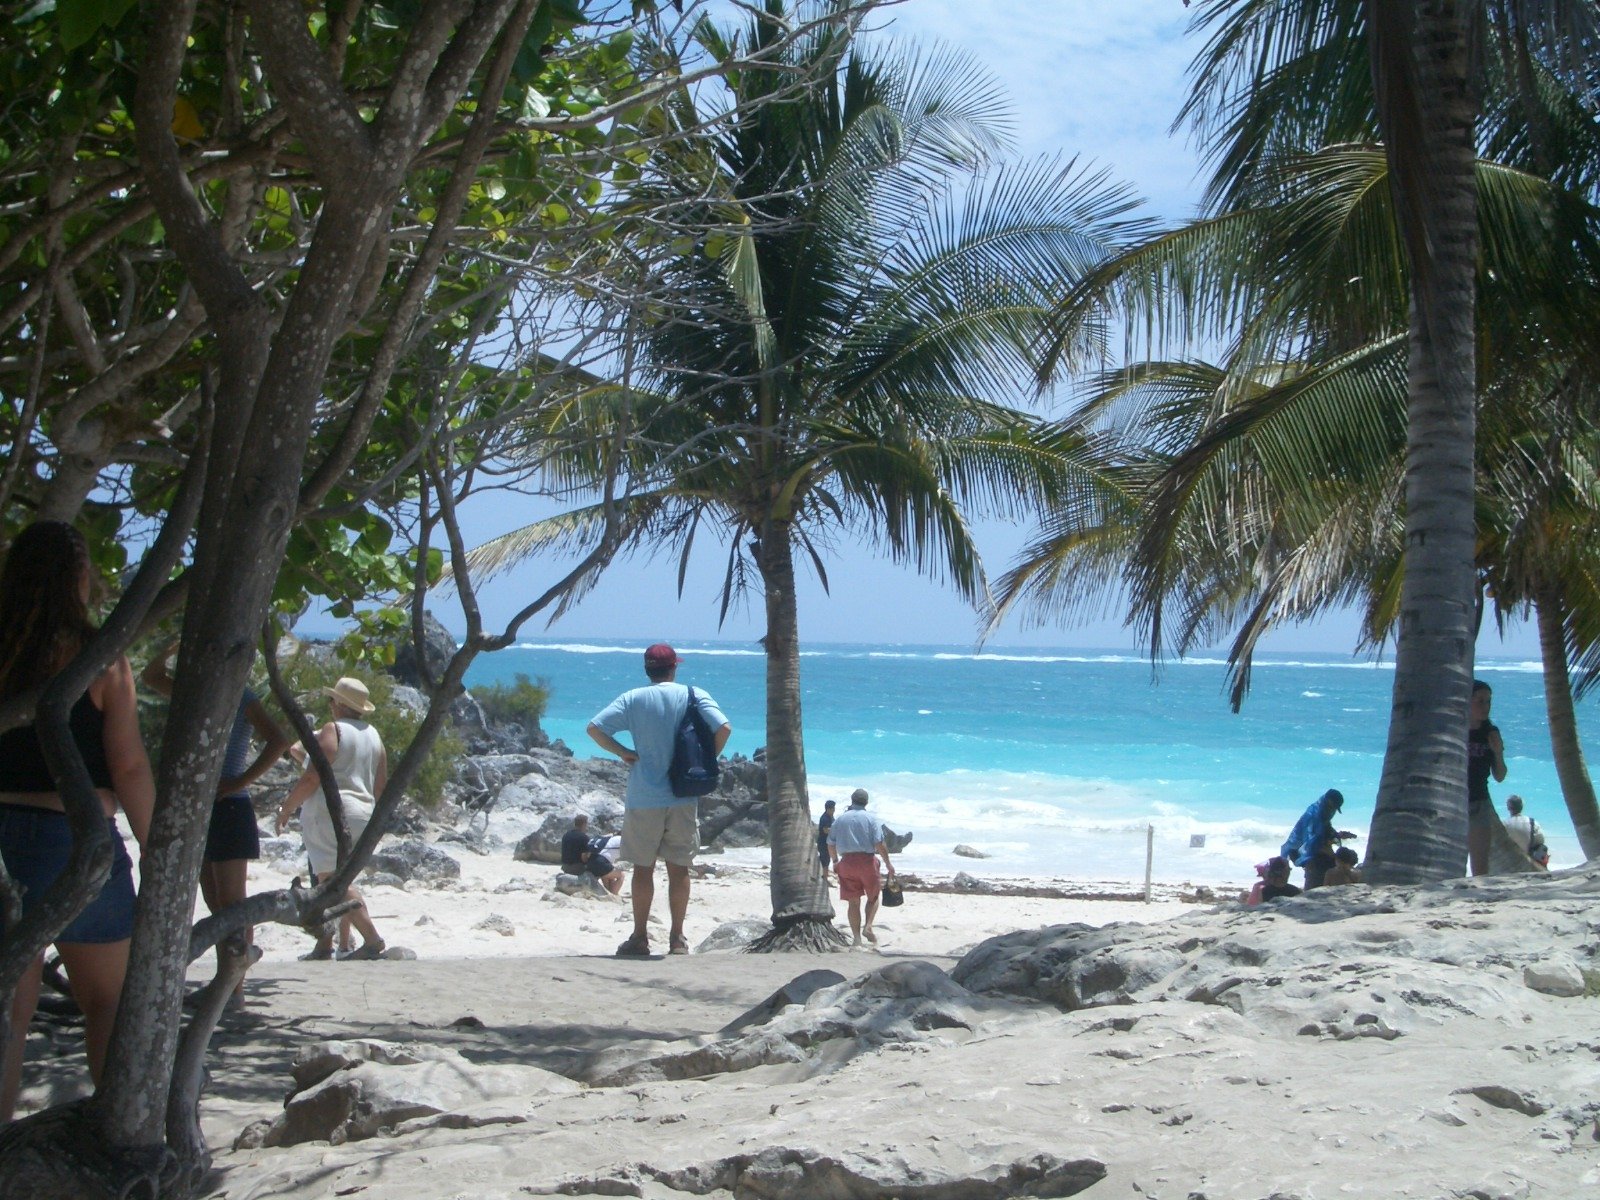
(1401, 1042)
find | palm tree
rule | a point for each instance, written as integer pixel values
(847, 302)
(1282, 75)
(1267, 490)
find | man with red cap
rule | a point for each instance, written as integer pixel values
(656, 823)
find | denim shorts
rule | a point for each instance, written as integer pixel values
(36, 844)
(233, 833)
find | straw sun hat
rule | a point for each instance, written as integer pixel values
(351, 693)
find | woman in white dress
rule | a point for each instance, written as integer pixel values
(361, 768)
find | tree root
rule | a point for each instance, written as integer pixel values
(812, 935)
(62, 1154)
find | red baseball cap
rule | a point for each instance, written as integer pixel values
(661, 655)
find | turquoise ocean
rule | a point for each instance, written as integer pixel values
(1057, 762)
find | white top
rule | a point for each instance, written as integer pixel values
(356, 764)
(1521, 830)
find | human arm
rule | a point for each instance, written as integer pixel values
(883, 852)
(722, 735)
(1497, 754)
(309, 782)
(131, 778)
(381, 779)
(610, 744)
(156, 676)
(274, 743)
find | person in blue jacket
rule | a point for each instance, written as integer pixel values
(1311, 842)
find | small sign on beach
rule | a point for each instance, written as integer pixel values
(1197, 841)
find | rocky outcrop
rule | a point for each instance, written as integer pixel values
(1340, 963)
(415, 862)
(347, 1091)
(904, 1002)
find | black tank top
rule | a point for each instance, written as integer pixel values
(22, 765)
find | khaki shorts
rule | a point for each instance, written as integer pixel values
(671, 833)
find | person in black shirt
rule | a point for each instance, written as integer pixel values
(824, 824)
(1277, 884)
(1486, 755)
(580, 855)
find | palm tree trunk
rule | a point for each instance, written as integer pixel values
(1577, 788)
(801, 913)
(1427, 112)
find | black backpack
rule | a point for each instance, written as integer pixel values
(694, 767)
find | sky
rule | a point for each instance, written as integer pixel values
(1099, 79)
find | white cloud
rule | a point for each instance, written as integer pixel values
(1102, 79)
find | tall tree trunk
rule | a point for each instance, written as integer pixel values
(1577, 788)
(1427, 112)
(801, 913)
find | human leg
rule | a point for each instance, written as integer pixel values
(372, 944)
(223, 884)
(96, 971)
(872, 912)
(855, 920)
(644, 894)
(677, 904)
(23, 1005)
(1478, 849)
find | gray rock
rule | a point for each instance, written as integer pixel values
(796, 1173)
(312, 1064)
(371, 1097)
(733, 935)
(479, 841)
(966, 851)
(797, 991)
(495, 923)
(416, 861)
(1555, 976)
(479, 778)
(905, 1002)
(383, 879)
(581, 885)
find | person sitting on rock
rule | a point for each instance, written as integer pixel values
(1344, 868)
(581, 855)
(1277, 884)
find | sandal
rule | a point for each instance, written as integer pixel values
(637, 946)
(318, 953)
(366, 952)
(680, 945)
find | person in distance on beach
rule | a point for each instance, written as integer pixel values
(1525, 832)
(44, 622)
(656, 823)
(853, 840)
(1343, 870)
(360, 765)
(824, 823)
(1313, 838)
(580, 855)
(1486, 755)
(1277, 885)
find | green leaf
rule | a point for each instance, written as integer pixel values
(81, 19)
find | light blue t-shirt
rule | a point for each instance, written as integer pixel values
(856, 832)
(650, 715)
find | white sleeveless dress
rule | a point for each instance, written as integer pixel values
(355, 767)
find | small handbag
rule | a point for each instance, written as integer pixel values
(892, 896)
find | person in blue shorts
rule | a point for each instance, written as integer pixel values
(44, 622)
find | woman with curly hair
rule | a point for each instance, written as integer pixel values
(44, 622)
